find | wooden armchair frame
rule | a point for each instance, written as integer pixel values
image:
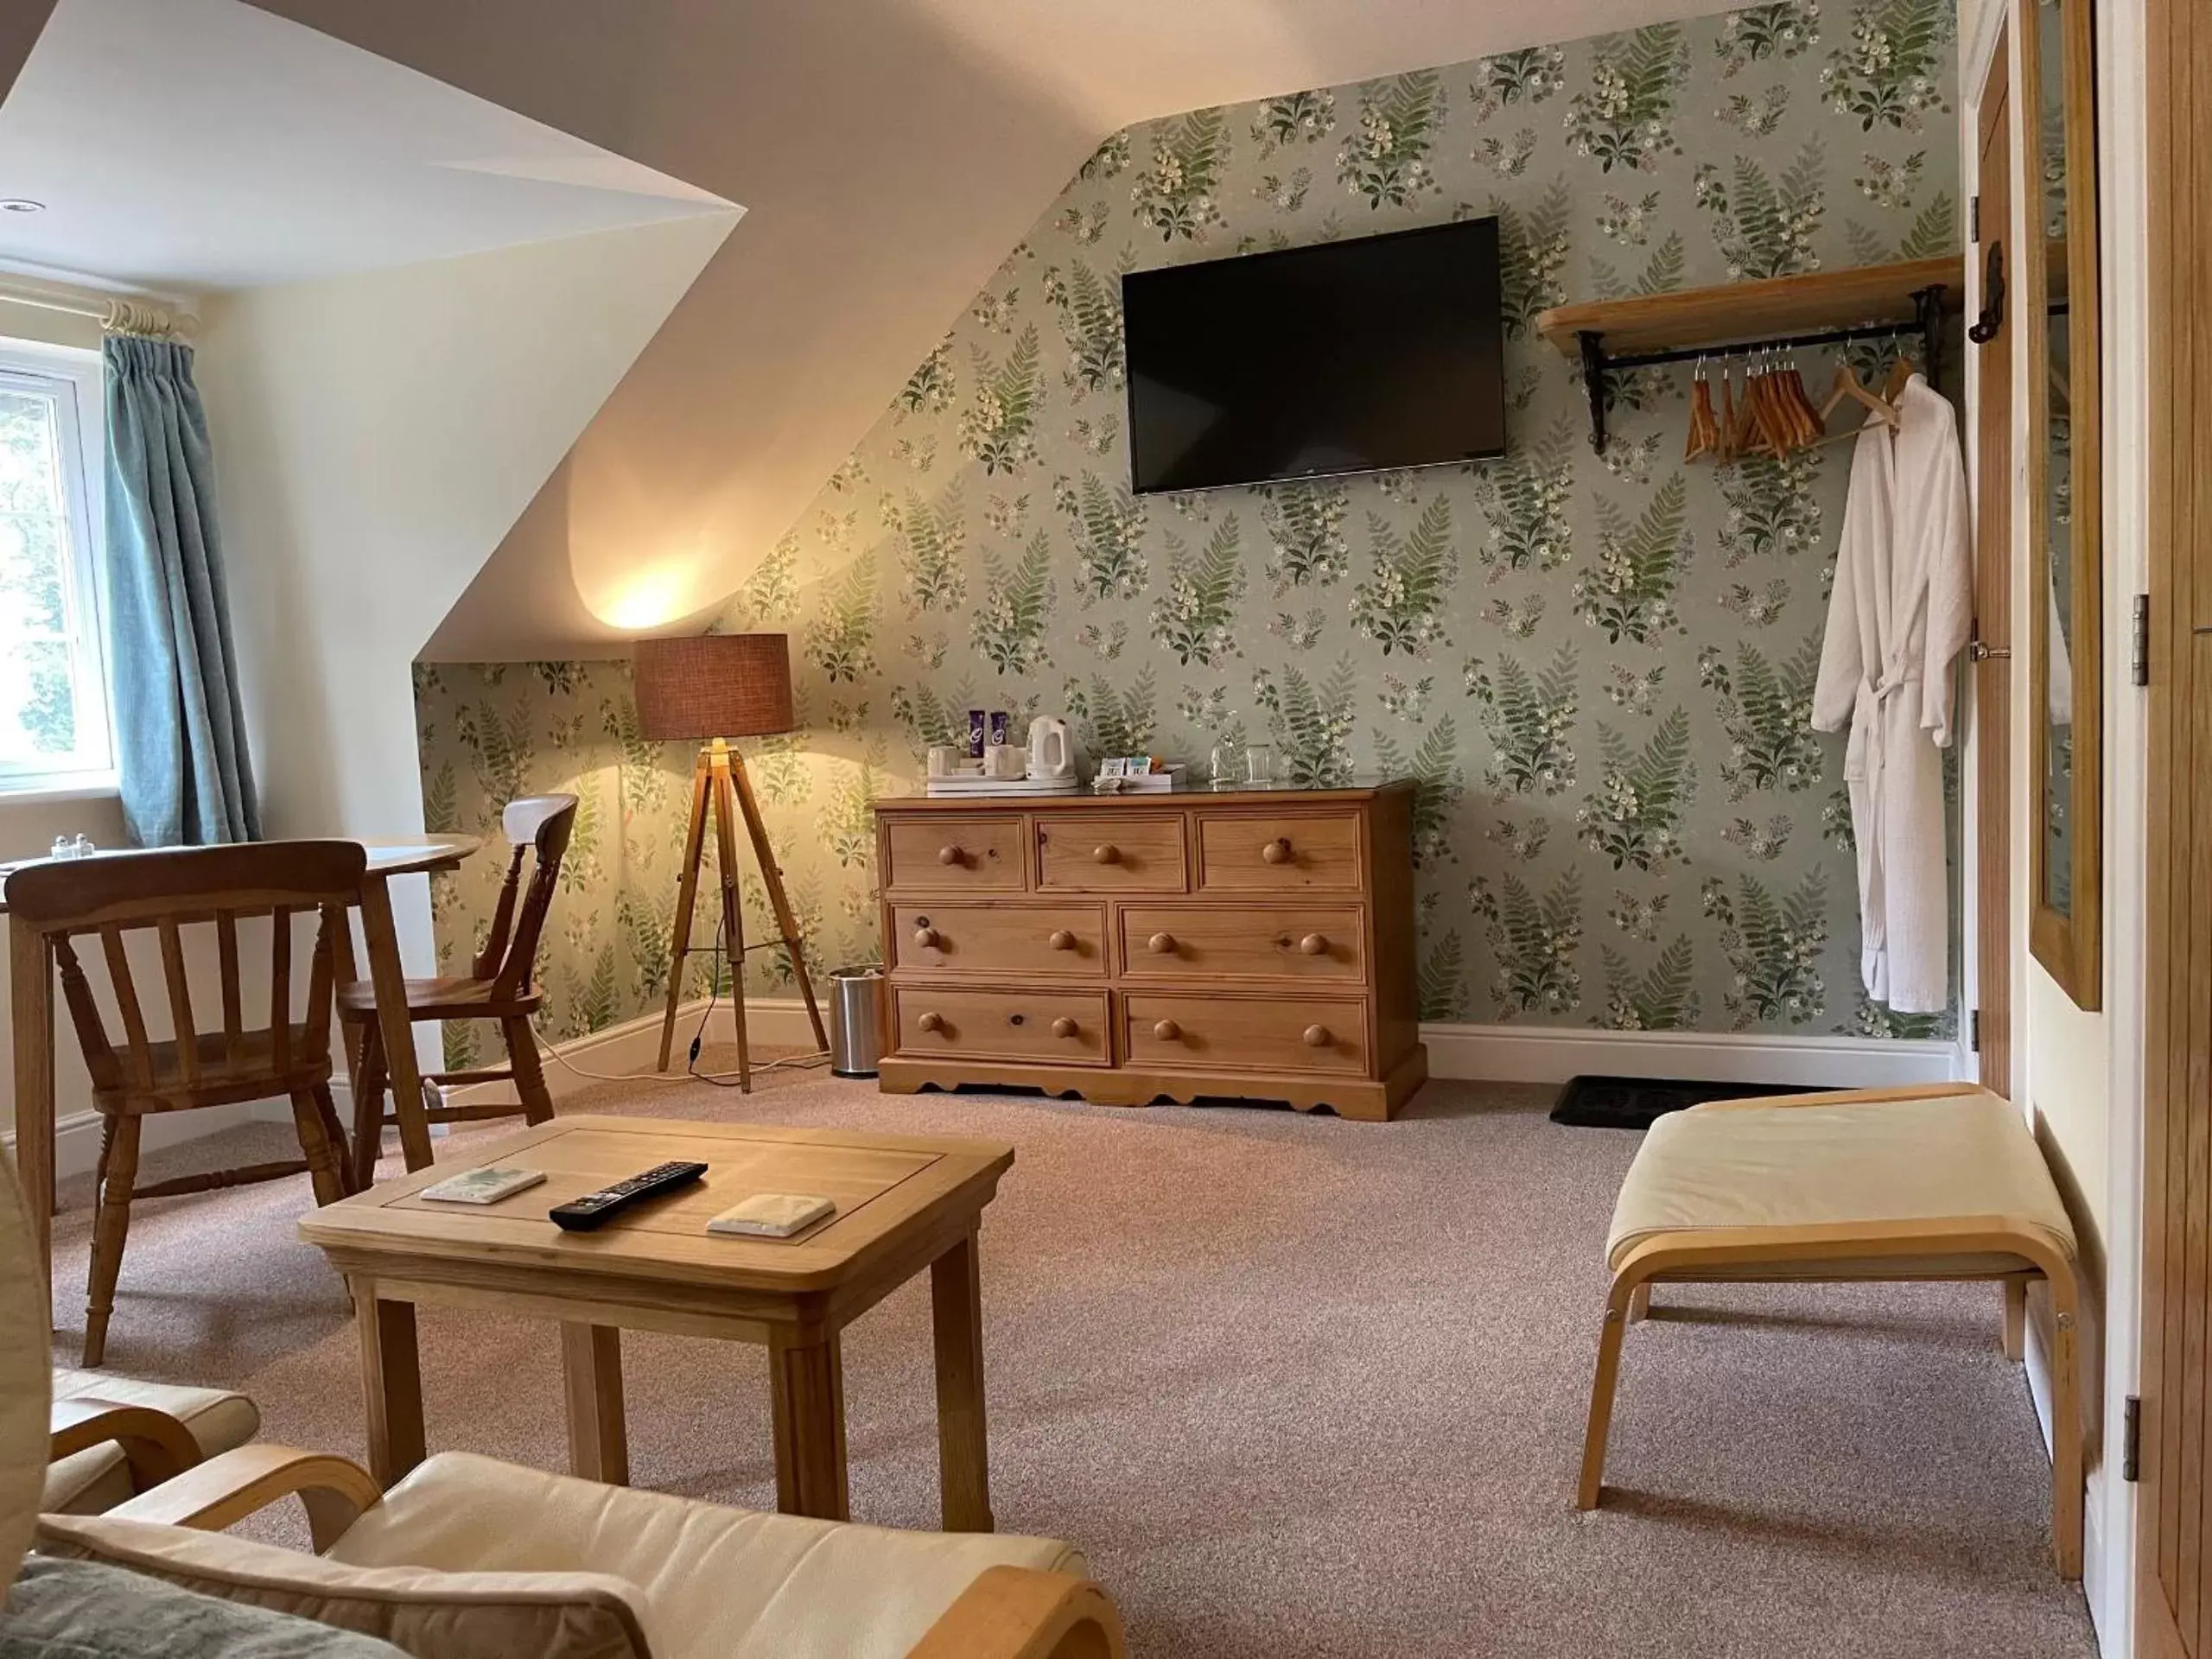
(1008, 1612)
(155, 1446)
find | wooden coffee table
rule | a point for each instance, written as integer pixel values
(904, 1203)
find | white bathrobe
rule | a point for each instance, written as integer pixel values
(1902, 608)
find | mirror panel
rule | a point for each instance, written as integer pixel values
(2064, 549)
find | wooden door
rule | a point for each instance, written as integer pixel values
(2174, 1600)
(1992, 583)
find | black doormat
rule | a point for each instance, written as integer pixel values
(1637, 1103)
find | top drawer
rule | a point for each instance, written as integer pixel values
(949, 852)
(1247, 852)
(1109, 852)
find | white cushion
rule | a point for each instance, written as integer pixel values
(730, 1583)
(97, 1478)
(26, 1315)
(1879, 1161)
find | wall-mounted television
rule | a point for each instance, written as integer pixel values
(1345, 357)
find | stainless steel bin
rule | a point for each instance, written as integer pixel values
(856, 1021)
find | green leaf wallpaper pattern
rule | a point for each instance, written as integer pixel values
(1596, 669)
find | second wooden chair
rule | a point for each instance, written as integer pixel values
(499, 986)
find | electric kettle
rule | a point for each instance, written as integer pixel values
(1051, 754)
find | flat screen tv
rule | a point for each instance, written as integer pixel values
(1346, 357)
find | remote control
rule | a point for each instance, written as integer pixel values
(581, 1215)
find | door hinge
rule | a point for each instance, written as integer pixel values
(2138, 651)
(1974, 1031)
(2131, 1438)
(1973, 219)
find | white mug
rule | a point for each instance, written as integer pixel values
(1005, 762)
(944, 759)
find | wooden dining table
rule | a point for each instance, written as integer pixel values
(30, 960)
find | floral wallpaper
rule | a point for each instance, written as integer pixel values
(1599, 669)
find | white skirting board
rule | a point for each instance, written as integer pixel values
(1554, 1053)
(77, 1135)
(1489, 1053)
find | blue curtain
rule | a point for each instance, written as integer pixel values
(178, 721)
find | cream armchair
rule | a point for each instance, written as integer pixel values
(468, 1558)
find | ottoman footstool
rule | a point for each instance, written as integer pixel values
(1942, 1181)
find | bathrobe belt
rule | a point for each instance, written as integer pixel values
(1866, 760)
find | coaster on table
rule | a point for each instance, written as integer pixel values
(481, 1185)
(772, 1214)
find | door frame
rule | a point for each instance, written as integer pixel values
(2125, 173)
(2168, 25)
(1986, 852)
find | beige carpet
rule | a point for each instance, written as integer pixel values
(1300, 1386)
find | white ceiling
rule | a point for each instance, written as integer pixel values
(205, 144)
(1129, 61)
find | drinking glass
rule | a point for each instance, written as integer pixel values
(1227, 763)
(1259, 764)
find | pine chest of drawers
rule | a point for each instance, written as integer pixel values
(1136, 947)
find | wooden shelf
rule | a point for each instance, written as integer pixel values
(1750, 311)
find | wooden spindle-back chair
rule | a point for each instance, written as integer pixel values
(500, 986)
(168, 894)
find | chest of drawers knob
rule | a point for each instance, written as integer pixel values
(1060, 939)
(1314, 944)
(1317, 1036)
(1065, 1027)
(951, 854)
(1277, 851)
(931, 1022)
(1167, 1030)
(925, 937)
(1108, 854)
(1161, 945)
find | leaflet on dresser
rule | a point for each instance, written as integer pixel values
(1254, 944)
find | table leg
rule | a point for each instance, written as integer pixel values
(591, 1360)
(391, 1384)
(31, 993)
(388, 977)
(807, 1390)
(962, 1445)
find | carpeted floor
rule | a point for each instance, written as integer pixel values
(1299, 1386)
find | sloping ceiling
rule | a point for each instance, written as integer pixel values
(197, 145)
(888, 153)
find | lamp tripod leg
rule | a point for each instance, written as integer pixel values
(772, 876)
(687, 895)
(733, 909)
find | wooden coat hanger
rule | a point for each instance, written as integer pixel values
(1705, 433)
(1777, 430)
(1848, 386)
(1900, 372)
(1729, 439)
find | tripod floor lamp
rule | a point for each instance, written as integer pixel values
(714, 687)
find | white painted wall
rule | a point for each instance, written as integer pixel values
(2079, 1075)
(375, 436)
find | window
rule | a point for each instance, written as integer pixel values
(53, 712)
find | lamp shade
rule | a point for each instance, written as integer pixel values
(706, 685)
